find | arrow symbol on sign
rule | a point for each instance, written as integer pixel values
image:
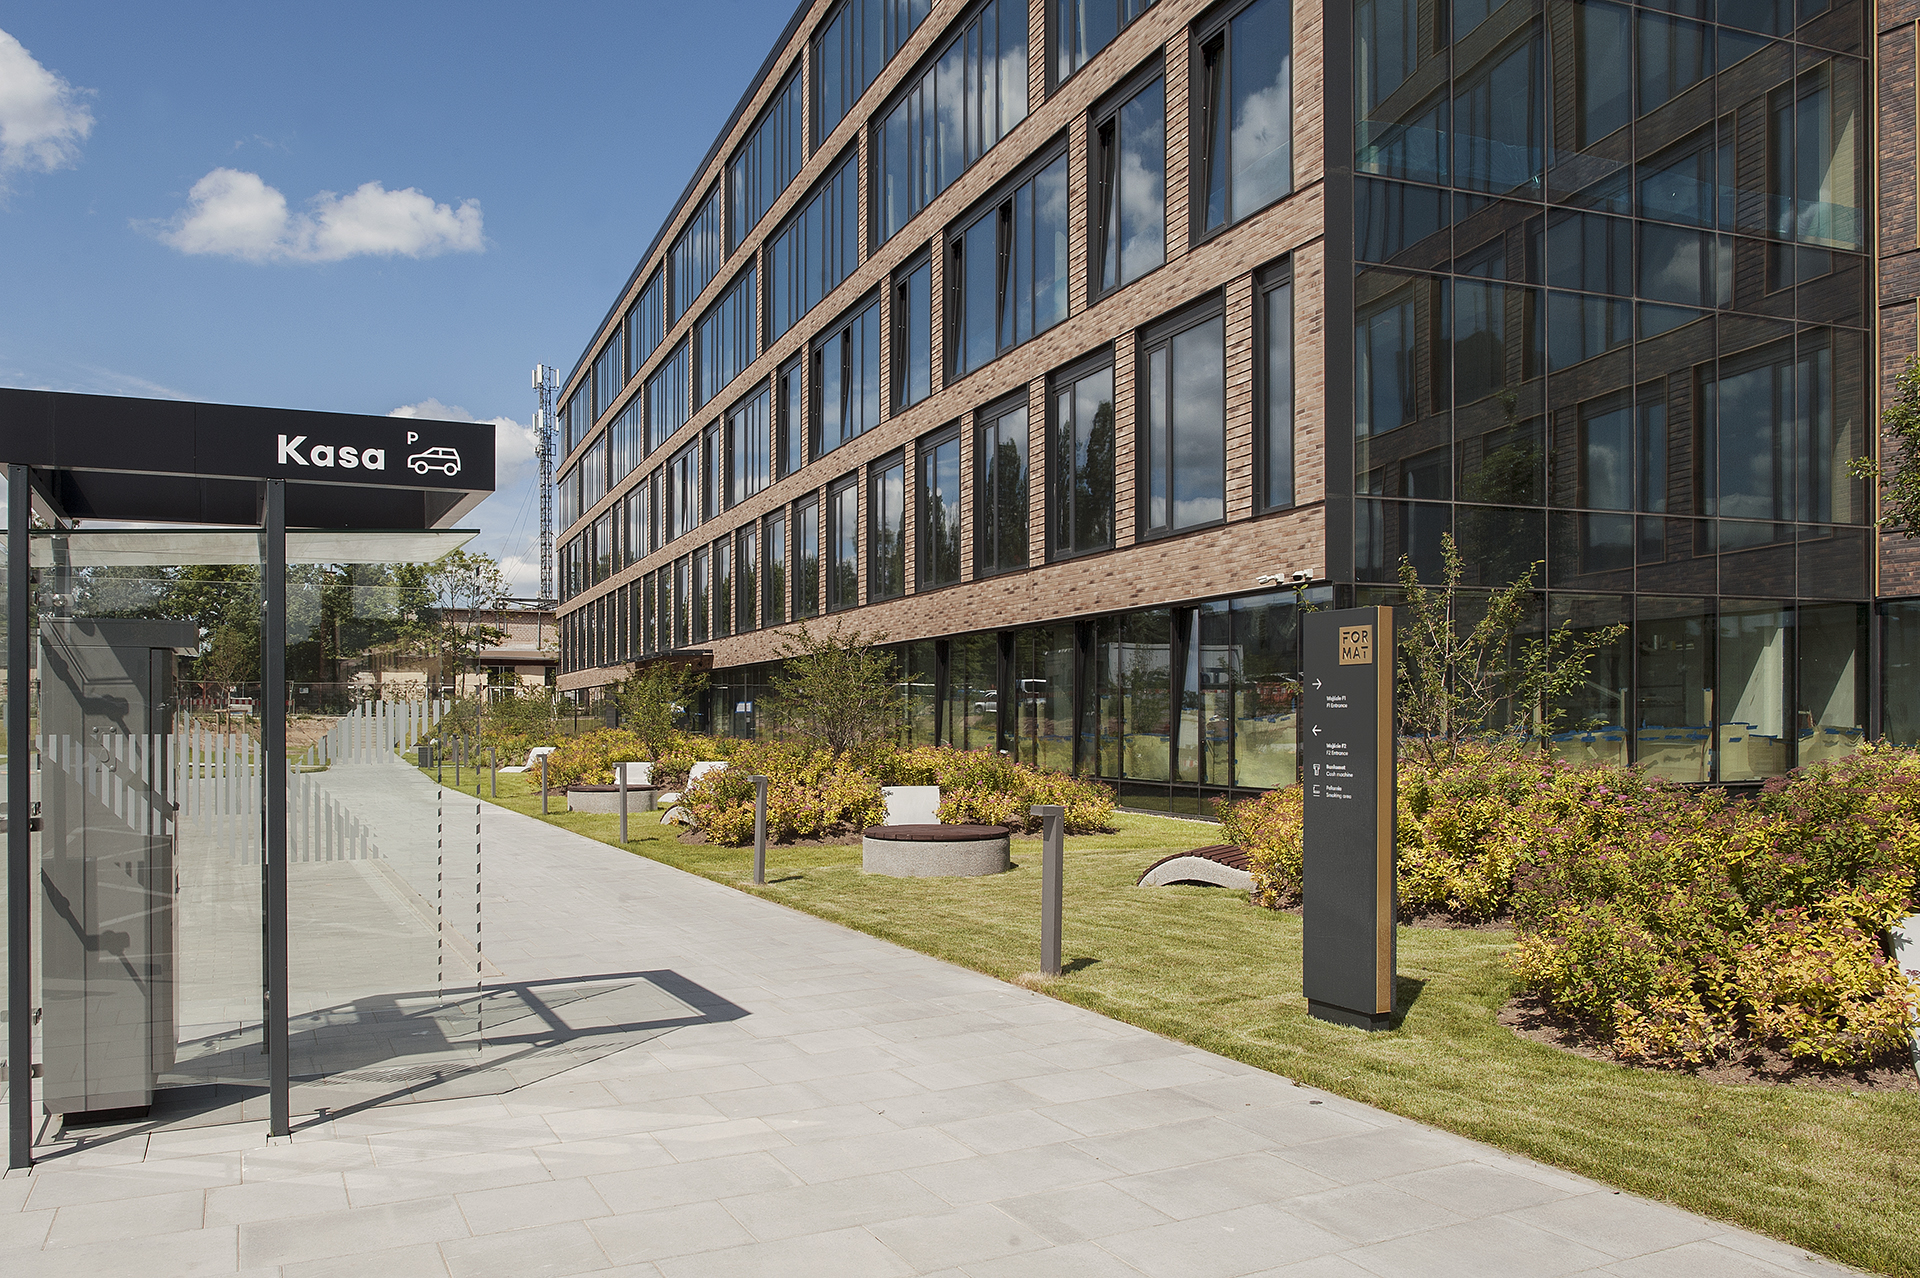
(1316, 729)
(1316, 685)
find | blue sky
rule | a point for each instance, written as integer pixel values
(460, 190)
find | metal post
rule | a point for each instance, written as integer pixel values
(273, 740)
(19, 828)
(1053, 833)
(543, 785)
(759, 829)
(493, 772)
(620, 776)
(459, 748)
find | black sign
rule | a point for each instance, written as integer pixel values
(1348, 771)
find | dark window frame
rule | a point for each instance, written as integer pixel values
(729, 496)
(986, 522)
(1103, 117)
(833, 336)
(953, 271)
(1054, 38)
(836, 491)
(877, 471)
(923, 542)
(738, 225)
(1057, 381)
(1267, 280)
(1152, 337)
(899, 328)
(1202, 105)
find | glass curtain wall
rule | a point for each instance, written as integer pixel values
(1611, 325)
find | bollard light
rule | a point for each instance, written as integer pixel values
(1053, 834)
(543, 785)
(620, 776)
(759, 829)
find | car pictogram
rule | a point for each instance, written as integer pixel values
(445, 460)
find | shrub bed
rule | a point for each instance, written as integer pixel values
(1682, 926)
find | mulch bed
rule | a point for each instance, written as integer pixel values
(1529, 1018)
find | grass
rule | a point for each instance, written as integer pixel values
(1829, 1171)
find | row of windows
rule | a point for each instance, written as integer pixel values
(1181, 445)
(973, 90)
(1007, 280)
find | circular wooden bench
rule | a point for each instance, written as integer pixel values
(934, 851)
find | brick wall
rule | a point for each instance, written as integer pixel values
(1898, 239)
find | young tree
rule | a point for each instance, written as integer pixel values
(652, 699)
(458, 588)
(1458, 681)
(838, 690)
(1900, 484)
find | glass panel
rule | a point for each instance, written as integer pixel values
(746, 579)
(1593, 726)
(1262, 79)
(722, 588)
(1000, 494)
(1206, 699)
(1132, 676)
(773, 603)
(917, 665)
(1674, 700)
(1899, 708)
(887, 537)
(1043, 697)
(1197, 411)
(843, 540)
(806, 559)
(1832, 714)
(939, 509)
(1266, 693)
(1754, 667)
(699, 600)
(971, 720)
(1082, 465)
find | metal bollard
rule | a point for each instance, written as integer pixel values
(493, 772)
(1053, 833)
(759, 829)
(543, 785)
(458, 749)
(620, 775)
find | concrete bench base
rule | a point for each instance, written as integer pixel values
(1219, 865)
(605, 799)
(934, 851)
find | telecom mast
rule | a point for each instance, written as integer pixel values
(546, 383)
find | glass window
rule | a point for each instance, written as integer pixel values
(609, 374)
(938, 504)
(887, 529)
(633, 535)
(971, 719)
(773, 599)
(666, 393)
(766, 161)
(722, 587)
(603, 548)
(576, 418)
(1498, 118)
(650, 614)
(1185, 445)
(1832, 693)
(1247, 112)
(1754, 666)
(1778, 455)
(1276, 407)
(1266, 692)
(806, 559)
(1675, 689)
(683, 492)
(1813, 158)
(697, 601)
(1081, 464)
(566, 498)
(1131, 690)
(790, 441)
(626, 441)
(697, 253)
(843, 545)
(975, 91)
(817, 248)
(846, 377)
(913, 335)
(1130, 190)
(1602, 70)
(593, 475)
(746, 589)
(1081, 28)
(1000, 492)
(1042, 727)
(646, 324)
(1008, 271)
(712, 471)
(853, 47)
(748, 438)
(681, 614)
(726, 338)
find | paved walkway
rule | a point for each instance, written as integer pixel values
(826, 1103)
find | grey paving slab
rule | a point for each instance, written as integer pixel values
(815, 1101)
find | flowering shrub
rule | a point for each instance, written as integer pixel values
(1682, 925)
(979, 787)
(588, 759)
(809, 794)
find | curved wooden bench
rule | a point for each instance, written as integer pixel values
(1216, 865)
(934, 851)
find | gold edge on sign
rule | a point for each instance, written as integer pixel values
(1383, 795)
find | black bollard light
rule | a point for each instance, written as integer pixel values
(759, 829)
(1053, 833)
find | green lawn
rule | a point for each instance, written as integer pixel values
(1821, 1169)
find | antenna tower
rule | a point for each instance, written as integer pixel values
(546, 383)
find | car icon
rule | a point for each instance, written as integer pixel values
(446, 460)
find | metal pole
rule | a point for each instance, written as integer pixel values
(273, 734)
(19, 828)
(1053, 832)
(459, 748)
(543, 785)
(759, 829)
(620, 775)
(493, 772)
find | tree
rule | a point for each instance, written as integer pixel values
(457, 588)
(1457, 682)
(1900, 425)
(653, 698)
(838, 690)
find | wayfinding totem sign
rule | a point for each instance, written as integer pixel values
(1348, 889)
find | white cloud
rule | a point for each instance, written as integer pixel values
(42, 120)
(234, 214)
(514, 444)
